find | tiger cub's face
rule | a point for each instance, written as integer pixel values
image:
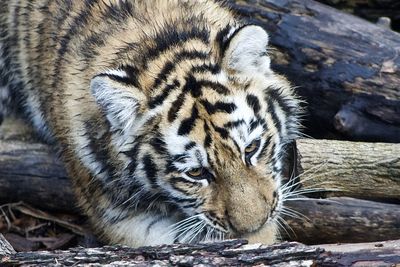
(221, 136)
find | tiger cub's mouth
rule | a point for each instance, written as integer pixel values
(204, 228)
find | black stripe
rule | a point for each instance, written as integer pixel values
(175, 107)
(170, 167)
(159, 99)
(150, 168)
(124, 80)
(188, 124)
(275, 119)
(154, 222)
(62, 15)
(207, 139)
(118, 12)
(92, 42)
(222, 131)
(218, 107)
(195, 88)
(181, 200)
(276, 95)
(192, 86)
(219, 88)
(234, 124)
(226, 42)
(206, 67)
(264, 148)
(158, 143)
(171, 36)
(253, 124)
(78, 22)
(132, 73)
(181, 158)
(190, 145)
(132, 154)
(221, 38)
(253, 102)
(170, 66)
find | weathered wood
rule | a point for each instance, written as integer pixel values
(342, 220)
(31, 172)
(5, 248)
(370, 9)
(354, 169)
(334, 58)
(227, 253)
(364, 254)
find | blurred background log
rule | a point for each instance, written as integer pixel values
(337, 61)
(370, 9)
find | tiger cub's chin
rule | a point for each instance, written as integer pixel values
(267, 235)
(168, 117)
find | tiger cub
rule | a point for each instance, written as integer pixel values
(166, 113)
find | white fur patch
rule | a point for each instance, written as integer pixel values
(120, 102)
(246, 53)
(135, 231)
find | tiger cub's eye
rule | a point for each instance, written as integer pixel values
(195, 172)
(252, 147)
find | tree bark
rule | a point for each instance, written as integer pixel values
(354, 169)
(344, 220)
(227, 253)
(371, 10)
(336, 60)
(5, 248)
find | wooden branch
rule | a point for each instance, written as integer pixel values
(336, 59)
(227, 253)
(354, 169)
(371, 10)
(31, 172)
(342, 220)
(5, 248)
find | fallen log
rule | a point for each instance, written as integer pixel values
(345, 220)
(226, 253)
(336, 60)
(5, 247)
(353, 169)
(371, 10)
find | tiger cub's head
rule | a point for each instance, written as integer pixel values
(209, 137)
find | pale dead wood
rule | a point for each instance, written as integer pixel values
(226, 253)
(5, 248)
(346, 220)
(354, 169)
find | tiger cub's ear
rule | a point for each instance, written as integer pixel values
(118, 98)
(246, 51)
